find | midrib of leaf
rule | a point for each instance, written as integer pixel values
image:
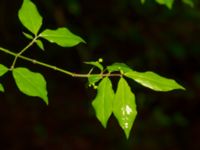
(30, 16)
(155, 81)
(58, 36)
(103, 95)
(30, 82)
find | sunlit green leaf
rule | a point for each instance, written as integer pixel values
(188, 2)
(96, 64)
(168, 3)
(28, 36)
(154, 81)
(40, 44)
(30, 17)
(93, 79)
(103, 101)
(1, 88)
(3, 70)
(124, 106)
(62, 37)
(119, 67)
(30, 83)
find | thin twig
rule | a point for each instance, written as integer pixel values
(56, 68)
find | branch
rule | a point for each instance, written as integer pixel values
(56, 68)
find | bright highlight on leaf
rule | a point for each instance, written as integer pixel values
(154, 81)
(122, 103)
(30, 17)
(124, 106)
(30, 83)
(103, 101)
(62, 36)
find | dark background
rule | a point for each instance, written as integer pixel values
(146, 37)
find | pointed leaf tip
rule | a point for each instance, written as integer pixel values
(154, 81)
(30, 83)
(3, 70)
(103, 101)
(1, 88)
(30, 17)
(124, 106)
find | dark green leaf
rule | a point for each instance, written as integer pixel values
(124, 106)
(103, 101)
(96, 64)
(62, 37)
(40, 44)
(30, 83)
(30, 17)
(1, 88)
(119, 67)
(93, 79)
(3, 70)
(154, 81)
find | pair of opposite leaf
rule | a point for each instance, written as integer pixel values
(32, 20)
(28, 82)
(122, 103)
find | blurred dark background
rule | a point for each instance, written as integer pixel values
(146, 37)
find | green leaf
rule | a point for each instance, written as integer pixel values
(30, 83)
(96, 64)
(28, 36)
(30, 17)
(62, 37)
(40, 44)
(1, 88)
(168, 3)
(92, 79)
(188, 2)
(103, 101)
(124, 106)
(154, 81)
(3, 70)
(119, 67)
